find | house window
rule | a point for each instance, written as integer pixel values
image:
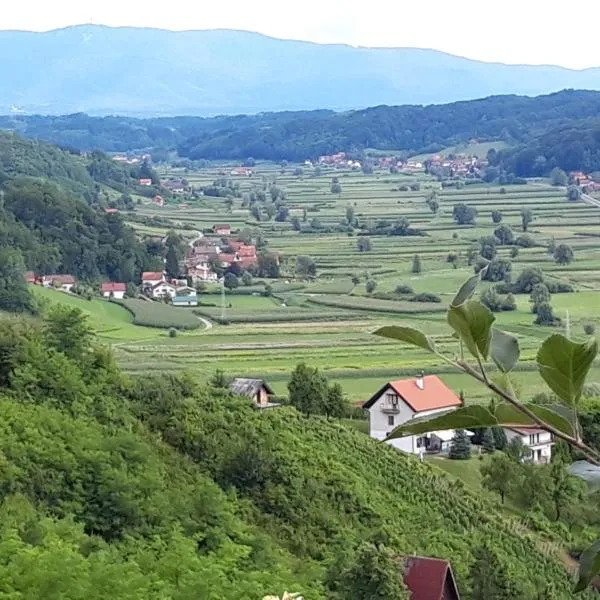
(391, 420)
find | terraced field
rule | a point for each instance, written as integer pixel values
(328, 322)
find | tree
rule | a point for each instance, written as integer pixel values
(15, 296)
(298, 171)
(336, 188)
(545, 315)
(492, 299)
(433, 204)
(335, 405)
(499, 475)
(231, 281)
(526, 218)
(551, 246)
(350, 217)
(504, 235)
(563, 254)
(247, 279)
(517, 451)
(489, 578)
(496, 216)
(296, 225)
(255, 211)
(249, 162)
(558, 177)
(373, 574)
(364, 244)
(67, 330)
(498, 269)
(528, 279)
(566, 489)
(370, 286)
(452, 258)
(539, 295)
(573, 193)
(305, 266)
(355, 279)
(268, 265)
(487, 441)
(500, 440)
(463, 214)
(308, 389)
(172, 263)
(460, 447)
(416, 264)
(514, 252)
(589, 328)
(487, 247)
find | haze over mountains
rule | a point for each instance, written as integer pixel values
(103, 70)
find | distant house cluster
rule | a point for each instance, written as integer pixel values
(206, 254)
(62, 282)
(156, 286)
(241, 172)
(130, 160)
(458, 165)
(398, 402)
(586, 182)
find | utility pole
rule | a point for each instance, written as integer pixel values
(568, 326)
(223, 299)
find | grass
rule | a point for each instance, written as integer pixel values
(468, 471)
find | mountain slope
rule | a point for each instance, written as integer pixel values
(149, 71)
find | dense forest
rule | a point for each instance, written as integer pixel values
(52, 211)
(159, 487)
(518, 120)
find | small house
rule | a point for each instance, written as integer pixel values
(113, 289)
(162, 289)
(145, 181)
(30, 277)
(158, 200)
(111, 211)
(539, 441)
(429, 578)
(66, 283)
(256, 390)
(399, 401)
(222, 229)
(185, 296)
(151, 278)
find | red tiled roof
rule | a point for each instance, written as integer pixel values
(64, 279)
(113, 286)
(247, 261)
(30, 277)
(526, 430)
(152, 276)
(434, 395)
(221, 226)
(428, 578)
(227, 258)
(111, 211)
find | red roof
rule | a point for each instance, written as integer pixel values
(429, 579)
(113, 286)
(111, 211)
(247, 261)
(526, 430)
(221, 226)
(434, 395)
(64, 279)
(152, 276)
(227, 258)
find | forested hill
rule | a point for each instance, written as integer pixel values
(156, 487)
(52, 212)
(302, 135)
(138, 71)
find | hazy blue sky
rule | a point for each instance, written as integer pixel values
(514, 31)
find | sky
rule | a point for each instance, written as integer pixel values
(511, 31)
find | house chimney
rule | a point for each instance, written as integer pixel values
(421, 381)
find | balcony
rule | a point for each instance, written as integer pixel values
(390, 409)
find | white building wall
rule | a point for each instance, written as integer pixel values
(541, 450)
(380, 428)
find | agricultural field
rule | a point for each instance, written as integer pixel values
(328, 322)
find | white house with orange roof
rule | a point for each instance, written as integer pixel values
(400, 401)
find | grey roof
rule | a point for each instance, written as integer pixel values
(248, 387)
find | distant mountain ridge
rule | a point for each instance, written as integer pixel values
(134, 71)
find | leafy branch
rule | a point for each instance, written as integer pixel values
(563, 364)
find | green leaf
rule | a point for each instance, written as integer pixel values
(589, 566)
(507, 414)
(504, 350)
(477, 416)
(408, 335)
(466, 291)
(461, 418)
(472, 321)
(564, 365)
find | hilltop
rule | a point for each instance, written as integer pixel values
(136, 71)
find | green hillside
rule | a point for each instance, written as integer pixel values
(159, 487)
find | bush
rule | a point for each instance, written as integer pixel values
(589, 328)
(172, 332)
(525, 241)
(403, 289)
(425, 297)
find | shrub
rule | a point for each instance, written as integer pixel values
(525, 241)
(589, 328)
(403, 289)
(172, 332)
(425, 297)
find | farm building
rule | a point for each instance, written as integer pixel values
(429, 578)
(400, 401)
(113, 289)
(62, 282)
(256, 390)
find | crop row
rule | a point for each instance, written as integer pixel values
(156, 314)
